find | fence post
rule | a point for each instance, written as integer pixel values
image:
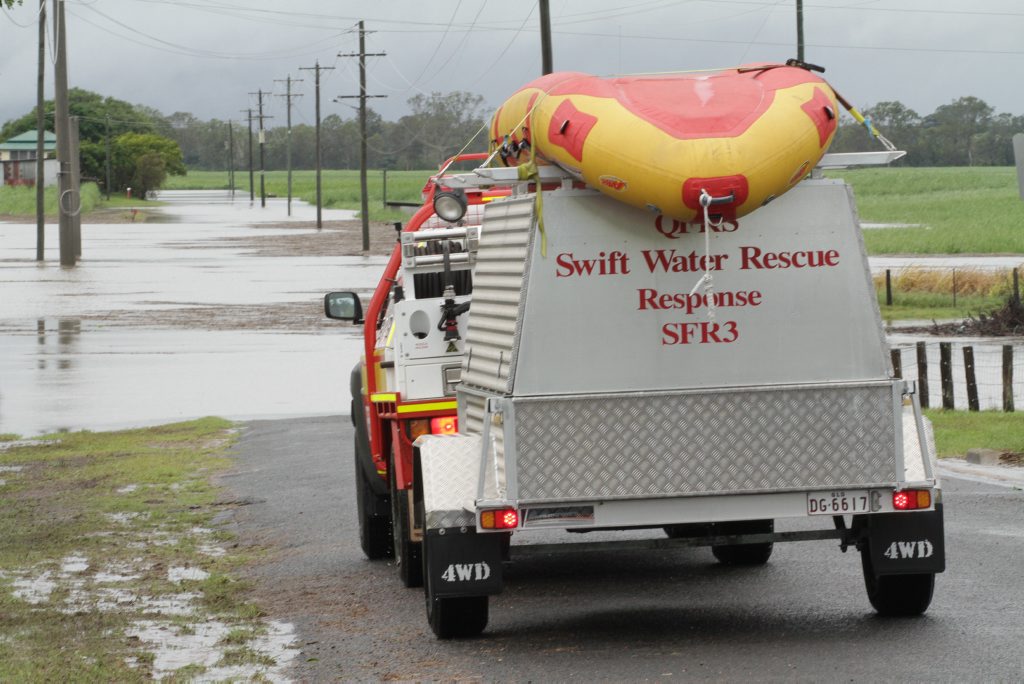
(946, 374)
(384, 193)
(972, 383)
(922, 374)
(1016, 288)
(1008, 377)
(954, 288)
(888, 287)
(896, 355)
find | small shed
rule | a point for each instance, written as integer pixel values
(18, 159)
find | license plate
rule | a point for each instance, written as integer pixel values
(839, 502)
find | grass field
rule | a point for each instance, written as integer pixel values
(21, 201)
(340, 188)
(109, 555)
(960, 210)
(958, 431)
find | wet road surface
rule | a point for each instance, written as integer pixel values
(619, 616)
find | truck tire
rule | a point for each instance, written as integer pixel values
(374, 529)
(743, 554)
(407, 553)
(897, 595)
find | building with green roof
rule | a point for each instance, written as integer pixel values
(18, 159)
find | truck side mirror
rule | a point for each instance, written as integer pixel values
(343, 306)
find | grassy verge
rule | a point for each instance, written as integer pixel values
(108, 560)
(958, 431)
(21, 201)
(956, 210)
(339, 188)
(933, 306)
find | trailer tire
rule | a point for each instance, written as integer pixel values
(897, 595)
(407, 553)
(374, 529)
(743, 554)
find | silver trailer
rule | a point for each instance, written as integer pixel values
(623, 370)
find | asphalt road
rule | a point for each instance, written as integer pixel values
(623, 616)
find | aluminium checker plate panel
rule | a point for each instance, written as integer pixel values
(679, 444)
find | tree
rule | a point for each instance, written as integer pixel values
(150, 173)
(954, 127)
(129, 168)
(9, 3)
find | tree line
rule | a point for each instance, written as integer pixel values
(965, 132)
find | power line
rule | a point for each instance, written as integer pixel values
(319, 199)
(288, 140)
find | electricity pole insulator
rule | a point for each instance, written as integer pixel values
(364, 200)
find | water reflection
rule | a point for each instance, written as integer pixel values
(67, 333)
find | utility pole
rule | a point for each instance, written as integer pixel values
(288, 138)
(252, 191)
(364, 200)
(76, 184)
(231, 158)
(62, 127)
(40, 137)
(545, 38)
(319, 203)
(263, 143)
(800, 30)
(107, 187)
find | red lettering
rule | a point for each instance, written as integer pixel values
(753, 257)
(703, 332)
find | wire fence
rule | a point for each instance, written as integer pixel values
(946, 285)
(963, 375)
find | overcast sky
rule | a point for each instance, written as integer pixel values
(206, 56)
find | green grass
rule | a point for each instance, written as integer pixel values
(339, 188)
(21, 201)
(958, 431)
(932, 305)
(962, 210)
(130, 499)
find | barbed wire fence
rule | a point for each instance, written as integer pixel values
(968, 375)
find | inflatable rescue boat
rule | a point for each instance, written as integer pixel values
(743, 135)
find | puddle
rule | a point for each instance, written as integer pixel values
(74, 564)
(179, 575)
(162, 323)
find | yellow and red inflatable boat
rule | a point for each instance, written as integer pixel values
(749, 133)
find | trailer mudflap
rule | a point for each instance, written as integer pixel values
(461, 562)
(906, 543)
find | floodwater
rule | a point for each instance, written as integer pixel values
(71, 356)
(88, 347)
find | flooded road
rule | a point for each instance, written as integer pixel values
(175, 319)
(215, 309)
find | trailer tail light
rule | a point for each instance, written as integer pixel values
(911, 499)
(445, 425)
(501, 519)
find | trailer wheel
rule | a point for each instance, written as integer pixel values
(406, 552)
(897, 595)
(743, 554)
(374, 529)
(459, 617)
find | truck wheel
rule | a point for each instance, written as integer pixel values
(897, 595)
(453, 618)
(406, 552)
(743, 554)
(374, 529)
